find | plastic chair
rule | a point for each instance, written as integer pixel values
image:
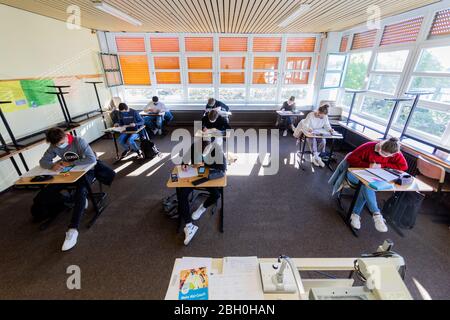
(432, 174)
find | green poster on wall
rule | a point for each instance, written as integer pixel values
(35, 92)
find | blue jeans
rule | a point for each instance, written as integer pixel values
(366, 196)
(157, 122)
(129, 141)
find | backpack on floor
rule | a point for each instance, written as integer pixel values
(170, 205)
(403, 208)
(48, 203)
(149, 149)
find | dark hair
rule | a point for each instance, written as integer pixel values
(324, 109)
(292, 98)
(155, 99)
(123, 107)
(55, 135)
(213, 115)
(211, 102)
(391, 146)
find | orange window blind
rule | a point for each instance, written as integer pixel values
(164, 44)
(199, 62)
(296, 78)
(265, 63)
(402, 32)
(232, 44)
(232, 63)
(167, 63)
(344, 44)
(441, 23)
(232, 77)
(265, 77)
(199, 44)
(135, 70)
(266, 44)
(200, 78)
(298, 63)
(168, 77)
(364, 39)
(301, 44)
(130, 44)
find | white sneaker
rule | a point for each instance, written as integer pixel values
(198, 213)
(155, 131)
(355, 221)
(159, 132)
(189, 232)
(86, 206)
(380, 223)
(284, 133)
(321, 163)
(71, 239)
(315, 162)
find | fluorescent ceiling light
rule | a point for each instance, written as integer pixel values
(100, 5)
(297, 13)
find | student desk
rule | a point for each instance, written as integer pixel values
(153, 114)
(120, 130)
(290, 114)
(67, 179)
(187, 183)
(307, 135)
(416, 186)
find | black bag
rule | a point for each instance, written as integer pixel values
(103, 173)
(170, 205)
(402, 208)
(48, 203)
(149, 149)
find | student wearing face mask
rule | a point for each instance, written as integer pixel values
(212, 120)
(288, 106)
(131, 120)
(384, 154)
(155, 123)
(314, 121)
(72, 151)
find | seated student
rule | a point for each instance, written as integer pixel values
(288, 106)
(314, 121)
(216, 104)
(156, 122)
(76, 151)
(132, 120)
(114, 107)
(209, 160)
(384, 154)
(212, 120)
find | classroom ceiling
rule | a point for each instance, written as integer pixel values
(221, 16)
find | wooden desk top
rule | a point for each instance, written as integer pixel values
(112, 130)
(290, 113)
(187, 182)
(149, 114)
(417, 185)
(68, 178)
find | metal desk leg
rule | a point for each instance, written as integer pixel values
(221, 209)
(347, 216)
(98, 210)
(116, 146)
(302, 153)
(330, 157)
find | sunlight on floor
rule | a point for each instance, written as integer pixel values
(99, 154)
(148, 165)
(125, 165)
(154, 171)
(423, 292)
(244, 164)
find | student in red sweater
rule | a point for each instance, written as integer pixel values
(384, 154)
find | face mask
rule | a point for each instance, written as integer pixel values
(64, 145)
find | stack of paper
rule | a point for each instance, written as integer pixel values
(191, 172)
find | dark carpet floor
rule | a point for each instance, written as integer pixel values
(129, 253)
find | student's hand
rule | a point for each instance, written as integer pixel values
(310, 130)
(65, 164)
(132, 125)
(205, 129)
(375, 166)
(116, 125)
(184, 167)
(331, 131)
(58, 166)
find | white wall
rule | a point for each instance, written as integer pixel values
(33, 47)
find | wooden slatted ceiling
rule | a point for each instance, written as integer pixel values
(402, 32)
(221, 16)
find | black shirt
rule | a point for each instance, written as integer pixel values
(220, 124)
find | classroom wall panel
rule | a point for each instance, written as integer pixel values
(45, 49)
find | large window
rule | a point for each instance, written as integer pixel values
(334, 71)
(239, 69)
(355, 77)
(386, 71)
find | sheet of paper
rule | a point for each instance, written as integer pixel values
(240, 264)
(190, 173)
(186, 264)
(235, 286)
(83, 168)
(383, 174)
(366, 176)
(38, 171)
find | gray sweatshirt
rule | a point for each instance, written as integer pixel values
(78, 153)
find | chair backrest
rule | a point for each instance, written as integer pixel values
(430, 169)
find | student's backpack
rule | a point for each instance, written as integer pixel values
(149, 149)
(170, 206)
(403, 208)
(103, 173)
(48, 203)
